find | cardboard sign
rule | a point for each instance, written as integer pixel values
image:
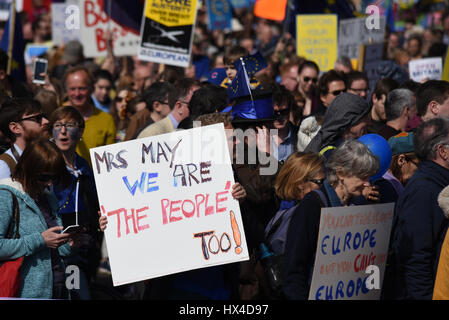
(271, 10)
(429, 68)
(353, 33)
(94, 25)
(169, 205)
(167, 32)
(372, 56)
(351, 239)
(219, 14)
(60, 33)
(316, 38)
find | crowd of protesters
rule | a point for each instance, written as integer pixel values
(47, 131)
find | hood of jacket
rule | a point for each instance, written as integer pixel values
(345, 111)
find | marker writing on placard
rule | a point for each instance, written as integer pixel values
(207, 247)
(203, 242)
(135, 216)
(236, 233)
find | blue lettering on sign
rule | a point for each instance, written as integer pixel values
(145, 177)
(349, 241)
(353, 288)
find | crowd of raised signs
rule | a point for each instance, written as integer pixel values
(312, 124)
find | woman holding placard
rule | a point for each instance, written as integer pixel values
(348, 171)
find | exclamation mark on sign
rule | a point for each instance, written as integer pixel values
(236, 233)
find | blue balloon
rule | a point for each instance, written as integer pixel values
(381, 149)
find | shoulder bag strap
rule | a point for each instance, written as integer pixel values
(15, 220)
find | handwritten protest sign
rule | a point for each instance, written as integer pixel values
(94, 26)
(169, 205)
(316, 38)
(353, 33)
(167, 32)
(60, 33)
(428, 68)
(351, 239)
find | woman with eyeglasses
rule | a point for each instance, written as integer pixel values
(347, 174)
(78, 203)
(41, 243)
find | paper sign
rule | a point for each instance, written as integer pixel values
(316, 39)
(353, 32)
(167, 32)
(94, 25)
(350, 240)
(169, 205)
(429, 68)
(60, 33)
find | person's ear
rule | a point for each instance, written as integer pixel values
(2, 75)
(401, 160)
(434, 107)
(15, 128)
(156, 106)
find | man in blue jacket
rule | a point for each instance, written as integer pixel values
(419, 225)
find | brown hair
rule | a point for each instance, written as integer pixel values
(234, 54)
(66, 112)
(213, 118)
(40, 156)
(297, 169)
(48, 100)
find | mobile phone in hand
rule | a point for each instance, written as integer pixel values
(40, 67)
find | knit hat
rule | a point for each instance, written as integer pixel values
(402, 143)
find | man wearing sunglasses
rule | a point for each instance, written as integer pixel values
(330, 85)
(21, 120)
(284, 142)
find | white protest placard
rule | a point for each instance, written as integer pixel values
(351, 239)
(354, 32)
(94, 25)
(167, 32)
(168, 203)
(62, 34)
(428, 68)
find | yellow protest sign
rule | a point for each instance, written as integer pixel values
(171, 13)
(316, 38)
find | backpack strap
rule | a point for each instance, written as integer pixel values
(322, 197)
(325, 149)
(9, 161)
(278, 222)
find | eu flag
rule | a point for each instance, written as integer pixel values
(240, 85)
(18, 47)
(253, 63)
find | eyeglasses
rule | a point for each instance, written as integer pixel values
(319, 182)
(307, 79)
(359, 90)
(163, 102)
(67, 126)
(337, 92)
(120, 99)
(36, 118)
(45, 177)
(282, 113)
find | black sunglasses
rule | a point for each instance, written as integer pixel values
(43, 177)
(337, 92)
(37, 118)
(281, 113)
(307, 79)
(319, 182)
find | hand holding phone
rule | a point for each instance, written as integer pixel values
(40, 69)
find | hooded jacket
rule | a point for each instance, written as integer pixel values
(36, 271)
(345, 111)
(419, 228)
